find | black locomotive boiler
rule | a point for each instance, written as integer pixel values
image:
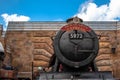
(76, 46)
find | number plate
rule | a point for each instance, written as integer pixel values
(76, 36)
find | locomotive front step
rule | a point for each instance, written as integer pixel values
(77, 76)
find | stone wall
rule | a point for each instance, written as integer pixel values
(43, 48)
(104, 60)
(19, 50)
(28, 47)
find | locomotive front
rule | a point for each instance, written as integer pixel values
(76, 45)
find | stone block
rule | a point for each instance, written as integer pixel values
(41, 52)
(43, 46)
(38, 63)
(104, 39)
(105, 51)
(104, 63)
(105, 68)
(41, 57)
(47, 40)
(44, 33)
(104, 45)
(103, 57)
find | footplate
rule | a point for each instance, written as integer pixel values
(77, 76)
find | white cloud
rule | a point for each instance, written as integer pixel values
(14, 17)
(91, 12)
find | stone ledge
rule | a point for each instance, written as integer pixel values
(56, 25)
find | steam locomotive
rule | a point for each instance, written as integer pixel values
(76, 46)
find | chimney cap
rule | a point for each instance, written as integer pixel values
(74, 20)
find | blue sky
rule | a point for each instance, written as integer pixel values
(57, 10)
